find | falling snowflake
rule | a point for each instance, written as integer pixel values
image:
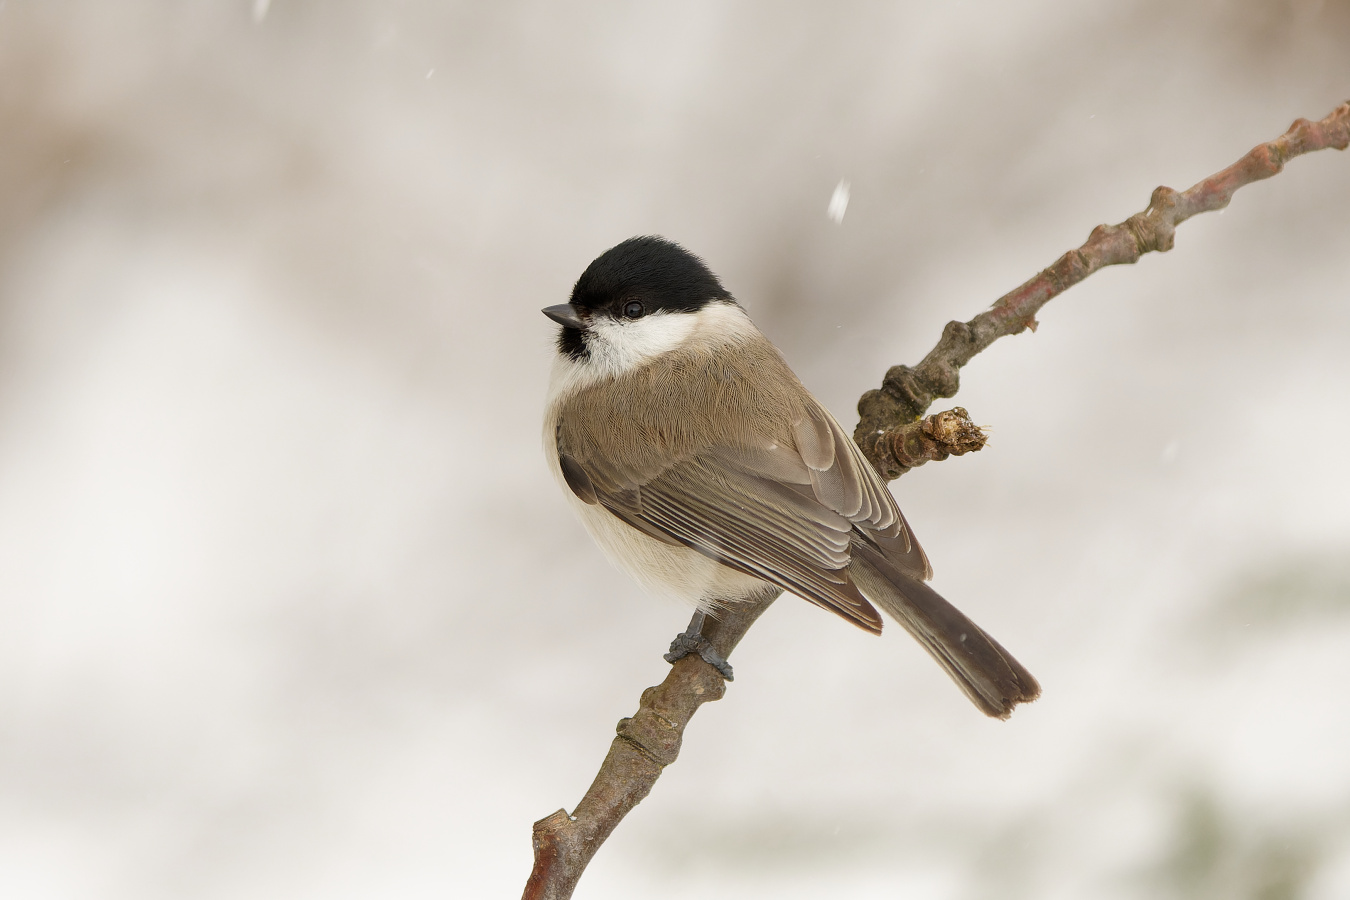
(838, 202)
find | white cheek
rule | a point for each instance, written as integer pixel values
(614, 348)
(617, 346)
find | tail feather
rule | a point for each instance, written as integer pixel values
(988, 674)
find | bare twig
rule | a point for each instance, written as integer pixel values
(906, 393)
(892, 436)
(934, 437)
(645, 745)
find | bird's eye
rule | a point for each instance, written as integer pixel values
(634, 309)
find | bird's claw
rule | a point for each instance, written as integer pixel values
(688, 642)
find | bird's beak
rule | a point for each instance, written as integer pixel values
(565, 314)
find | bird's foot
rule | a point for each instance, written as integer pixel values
(691, 640)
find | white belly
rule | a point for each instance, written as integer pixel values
(665, 570)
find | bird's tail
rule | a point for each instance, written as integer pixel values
(987, 673)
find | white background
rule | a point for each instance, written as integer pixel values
(290, 608)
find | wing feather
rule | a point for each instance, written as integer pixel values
(787, 512)
(720, 514)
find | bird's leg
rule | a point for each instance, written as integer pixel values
(691, 640)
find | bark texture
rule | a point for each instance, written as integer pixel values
(907, 392)
(645, 744)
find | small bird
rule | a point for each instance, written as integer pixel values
(701, 466)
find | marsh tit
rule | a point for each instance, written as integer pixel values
(701, 466)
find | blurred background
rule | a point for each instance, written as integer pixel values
(290, 607)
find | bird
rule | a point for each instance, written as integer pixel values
(702, 466)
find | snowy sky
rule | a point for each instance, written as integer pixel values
(289, 606)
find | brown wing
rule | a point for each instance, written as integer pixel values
(761, 527)
(785, 514)
(843, 480)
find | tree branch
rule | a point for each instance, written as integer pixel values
(906, 393)
(645, 745)
(895, 440)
